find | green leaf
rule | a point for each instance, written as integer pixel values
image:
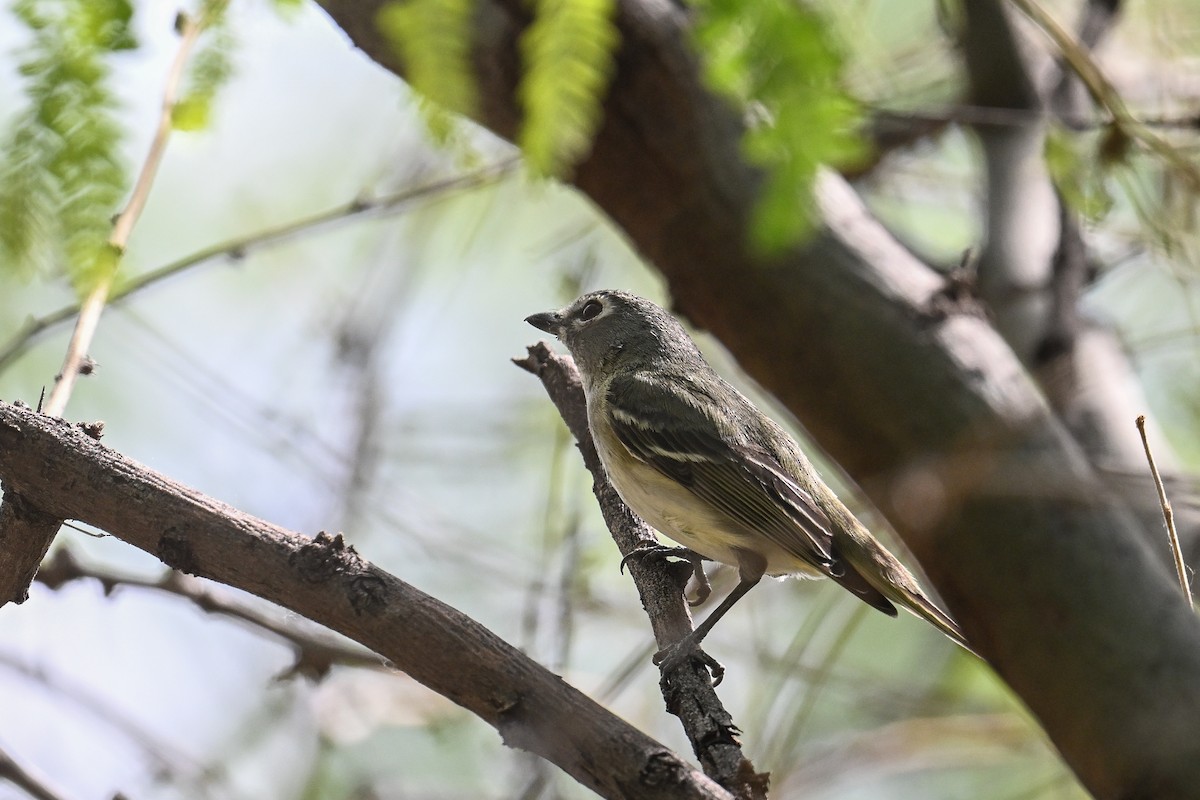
(209, 72)
(192, 113)
(568, 54)
(1080, 176)
(433, 40)
(779, 59)
(107, 23)
(61, 175)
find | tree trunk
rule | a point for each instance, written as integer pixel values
(912, 390)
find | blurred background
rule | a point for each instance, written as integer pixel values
(354, 375)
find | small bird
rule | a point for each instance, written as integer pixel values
(694, 458)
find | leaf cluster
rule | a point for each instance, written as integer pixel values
(780, 61)
(61, 174)
(568, 62)
(209, 71)
(567, 55)
(1079, 172)
(433, 38)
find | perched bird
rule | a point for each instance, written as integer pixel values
(694, 458)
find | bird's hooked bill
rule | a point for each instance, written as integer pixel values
(548, 321)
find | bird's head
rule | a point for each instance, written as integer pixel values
(602, 327)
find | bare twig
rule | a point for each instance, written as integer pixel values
(968, 114)
(240, 246)
(163, 758)
(93, 304)
(81, 340)
(1105, 94)
(920, 743)
(1168, 516)
(315, 655)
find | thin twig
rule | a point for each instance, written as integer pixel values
(1104, 93)
(967, 114)
(911, 745)
(239, 247)
(160, 756)
(315, 655)
(33, 785)
(1168, 515)
(818, 681)
(93, 304)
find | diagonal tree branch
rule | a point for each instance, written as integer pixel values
(35, 786)
(75, 477)
(917, 397)
(236, 248)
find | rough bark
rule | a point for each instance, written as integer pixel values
(75, 477)
(26, 533)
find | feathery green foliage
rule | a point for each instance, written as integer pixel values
(433, 39)
(61, 175)
(568, 54)
(1079, 172)
(209, 71)
(778, 58)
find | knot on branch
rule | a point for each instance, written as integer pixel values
(327, 558)
(175, 550)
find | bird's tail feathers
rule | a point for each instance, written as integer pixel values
(870, 563)
(854, 582)
(923, 607)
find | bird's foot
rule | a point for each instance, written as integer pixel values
(659, 552)
(673, 656)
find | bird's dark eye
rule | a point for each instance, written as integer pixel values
(590, 309)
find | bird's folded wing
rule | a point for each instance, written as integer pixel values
(658, 426)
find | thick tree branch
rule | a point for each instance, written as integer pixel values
(1033, 267)
(26, 533)
(1021, 207)
(76, 477)
(925, 405)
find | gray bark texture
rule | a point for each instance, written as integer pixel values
(951, 430)
(73, 476)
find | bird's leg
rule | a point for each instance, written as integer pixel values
(751, 568)
(657, 551)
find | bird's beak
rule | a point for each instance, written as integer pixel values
(548, 321)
